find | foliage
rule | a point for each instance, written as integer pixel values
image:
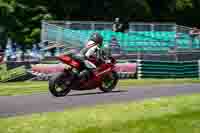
(21, 19)
(182, 4)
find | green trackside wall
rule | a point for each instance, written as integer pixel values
(166, 69)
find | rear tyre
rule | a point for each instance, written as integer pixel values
(59, 86)
(109, 82)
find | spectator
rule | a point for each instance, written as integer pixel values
(1, 56)
(1, 59)
(117, 25)
(35, 52)
(120, 25)
(19, 53)
(8, 52)
(194, 33)
(126, 25)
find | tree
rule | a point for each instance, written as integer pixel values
(181, 5)
(6, 10)
(21, 19)
(26, 27)
(187, 12)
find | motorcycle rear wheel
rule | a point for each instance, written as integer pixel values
(109, 82)
(59, 86)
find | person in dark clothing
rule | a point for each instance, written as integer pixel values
(120, 25)
(1, 55)
(194, 34)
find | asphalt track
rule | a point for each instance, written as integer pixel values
(28, 104)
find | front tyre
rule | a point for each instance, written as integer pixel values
(58, 85)
(109, 82)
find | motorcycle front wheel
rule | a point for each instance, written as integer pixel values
(109, 82)
(59, 85)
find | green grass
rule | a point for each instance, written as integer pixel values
(21, 88)
(147, 82)
(179, 114)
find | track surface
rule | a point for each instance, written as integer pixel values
(22, 105)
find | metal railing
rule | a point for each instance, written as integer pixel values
(58, 27)
(93, 25)
(69, 32)
(183, 29)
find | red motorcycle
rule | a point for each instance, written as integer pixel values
(104, 77)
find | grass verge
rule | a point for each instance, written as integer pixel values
(179, 114)
(21, 88)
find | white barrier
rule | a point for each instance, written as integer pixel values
(45, 71)
(139, 71)
(199, 68)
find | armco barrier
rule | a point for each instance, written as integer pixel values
(45, 71)
(167, 69)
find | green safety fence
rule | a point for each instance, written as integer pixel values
(167, 69)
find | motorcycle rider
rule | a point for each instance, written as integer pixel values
(92, 49)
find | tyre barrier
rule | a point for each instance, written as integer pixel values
(39, 76)
(141, 69)
(127, 75)
(45, 77)
(45, 71)
(23, 71)
(167, 69)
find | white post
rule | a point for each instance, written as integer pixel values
(152, 27)
(139, 71)
(199, 67)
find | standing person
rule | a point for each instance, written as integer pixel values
(120, 25)
(117, 25)
(1, 59)
(194, 33)
(125, 25)
(1, 55)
